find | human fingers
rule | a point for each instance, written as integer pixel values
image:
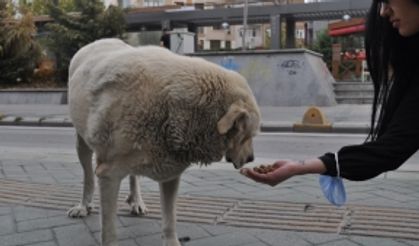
(264, 178)
(258, 177)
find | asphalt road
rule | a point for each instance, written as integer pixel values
(266, 145)
(58, 142)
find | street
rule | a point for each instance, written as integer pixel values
(59, 142)
(267, 145)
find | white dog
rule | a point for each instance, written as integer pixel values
(147, 111)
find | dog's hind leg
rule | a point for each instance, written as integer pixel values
(135, 199)
(168, 193)
(85, 156)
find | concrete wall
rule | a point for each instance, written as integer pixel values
(33, 96)
(292, 77)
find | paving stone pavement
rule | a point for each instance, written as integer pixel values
(39, 226)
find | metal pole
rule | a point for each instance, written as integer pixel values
(245, 13)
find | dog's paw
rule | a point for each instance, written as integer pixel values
(79, 211)
(111, 244)
(171, 242)
(138, 208)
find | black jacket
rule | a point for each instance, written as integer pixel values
(398, 142)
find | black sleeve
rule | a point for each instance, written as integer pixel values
(399, 142)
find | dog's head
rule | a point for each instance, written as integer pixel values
(240, 124)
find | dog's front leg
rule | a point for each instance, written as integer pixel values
(109, 188)
(168, 193)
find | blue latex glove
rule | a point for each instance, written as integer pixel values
(333, 189)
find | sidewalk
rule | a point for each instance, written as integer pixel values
(216, 205)
(344, 118)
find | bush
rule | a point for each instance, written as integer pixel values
(71, 31)
(323, 45)
(19, 51)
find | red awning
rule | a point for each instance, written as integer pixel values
(347, 30)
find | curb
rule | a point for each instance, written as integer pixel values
(266, 126)
(35, 121)
(338, 127)
(355, 127)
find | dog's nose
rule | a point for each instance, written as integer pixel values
(228, 159)
(250, 158)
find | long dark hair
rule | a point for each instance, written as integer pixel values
(393, 64)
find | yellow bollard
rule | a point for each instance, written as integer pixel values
(313, 121)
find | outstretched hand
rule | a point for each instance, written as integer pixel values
(283, 170)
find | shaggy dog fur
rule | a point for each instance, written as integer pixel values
(147, 111)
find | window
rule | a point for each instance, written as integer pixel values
(228, 45)
(215, 44)
(153, 3)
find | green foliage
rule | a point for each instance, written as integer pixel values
(71, 31)
(323, 45)
(40, 7)
(19, 51)
(37, 7)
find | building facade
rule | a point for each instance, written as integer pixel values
(225, 36)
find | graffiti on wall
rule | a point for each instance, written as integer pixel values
(292, 66)
(229, 62)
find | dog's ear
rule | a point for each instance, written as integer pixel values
(233, 115)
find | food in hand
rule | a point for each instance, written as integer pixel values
(264, 169)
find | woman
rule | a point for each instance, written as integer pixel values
(392, 46)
